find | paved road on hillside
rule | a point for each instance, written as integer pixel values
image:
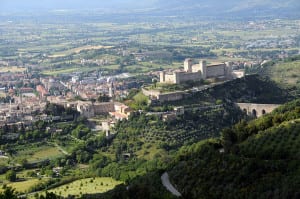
(166, 182)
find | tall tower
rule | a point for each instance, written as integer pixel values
(162, 76)
(111, 90)
(9, 106)
(188, 65)
(21, 96)
(176, 77)
(228, 69)
(203, 69)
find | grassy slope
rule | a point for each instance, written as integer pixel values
(86, 186)
(35, 152)
(14, 69)
(24, 186)
(286, 74)
(24, 182)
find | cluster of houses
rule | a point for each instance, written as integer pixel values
(81, 91)
(28, 102)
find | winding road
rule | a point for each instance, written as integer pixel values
(166, 182)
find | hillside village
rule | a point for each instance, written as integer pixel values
(26, 95)
(93, 95)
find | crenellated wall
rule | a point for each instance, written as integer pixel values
(164, 97)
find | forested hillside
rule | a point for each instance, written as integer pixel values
(256, 159)
(260, 160)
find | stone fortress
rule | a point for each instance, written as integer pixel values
(201, 71)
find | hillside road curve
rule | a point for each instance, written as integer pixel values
(166, 182)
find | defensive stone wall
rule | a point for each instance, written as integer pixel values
(216, 70)
(150, 92)
(164, 97)
(167, 97)
(184, 77)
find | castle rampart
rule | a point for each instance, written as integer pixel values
(197, 72)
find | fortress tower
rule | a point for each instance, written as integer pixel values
(162, 75)
(176, 77)
(203, 68)
(229, 69)
(188, 65)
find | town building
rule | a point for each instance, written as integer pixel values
(116, 110)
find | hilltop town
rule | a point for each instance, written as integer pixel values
(25, 94)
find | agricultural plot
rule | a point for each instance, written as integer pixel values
(13, 69)
(86, 186)
(55, 72)
(78, 50)
(24, 185)
(39, 153)
(66, 143)
(143, 67)
(286, 74)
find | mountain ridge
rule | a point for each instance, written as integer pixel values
(175, 7)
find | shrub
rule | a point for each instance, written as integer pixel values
(11, 176)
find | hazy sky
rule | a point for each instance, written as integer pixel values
(7, 6)
(70, 4)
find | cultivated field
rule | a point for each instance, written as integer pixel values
(78, 50)
(14, 69)
(40, 153)
(23, 186)
(286, 74)
(86, 186)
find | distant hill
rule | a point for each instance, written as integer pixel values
(217, 8)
